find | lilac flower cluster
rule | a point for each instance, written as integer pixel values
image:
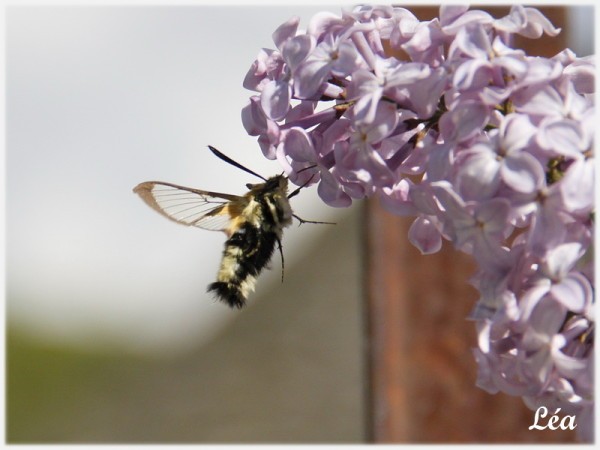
(484, 145)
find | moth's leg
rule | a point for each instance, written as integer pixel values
(294, 193)
(281, 253)
(301, 220)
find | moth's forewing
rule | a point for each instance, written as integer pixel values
(192, 207)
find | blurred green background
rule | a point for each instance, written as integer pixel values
(288, 369)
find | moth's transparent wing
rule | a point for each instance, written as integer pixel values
(192, 207)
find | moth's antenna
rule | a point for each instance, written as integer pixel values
(227, 159)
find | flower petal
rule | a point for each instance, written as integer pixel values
(285, 31)
(275, 99)
(298, 145)
(425, 236)
(463, 122)
(577, 185)
(331, 192)
(522, 172)
(574, 292)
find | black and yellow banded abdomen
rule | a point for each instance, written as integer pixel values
(245, 254)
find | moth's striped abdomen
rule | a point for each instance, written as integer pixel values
(245, 254)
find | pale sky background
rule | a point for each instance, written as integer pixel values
(99, 99)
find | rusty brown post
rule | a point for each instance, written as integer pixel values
(421, 372)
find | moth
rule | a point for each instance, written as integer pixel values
(253, 223)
